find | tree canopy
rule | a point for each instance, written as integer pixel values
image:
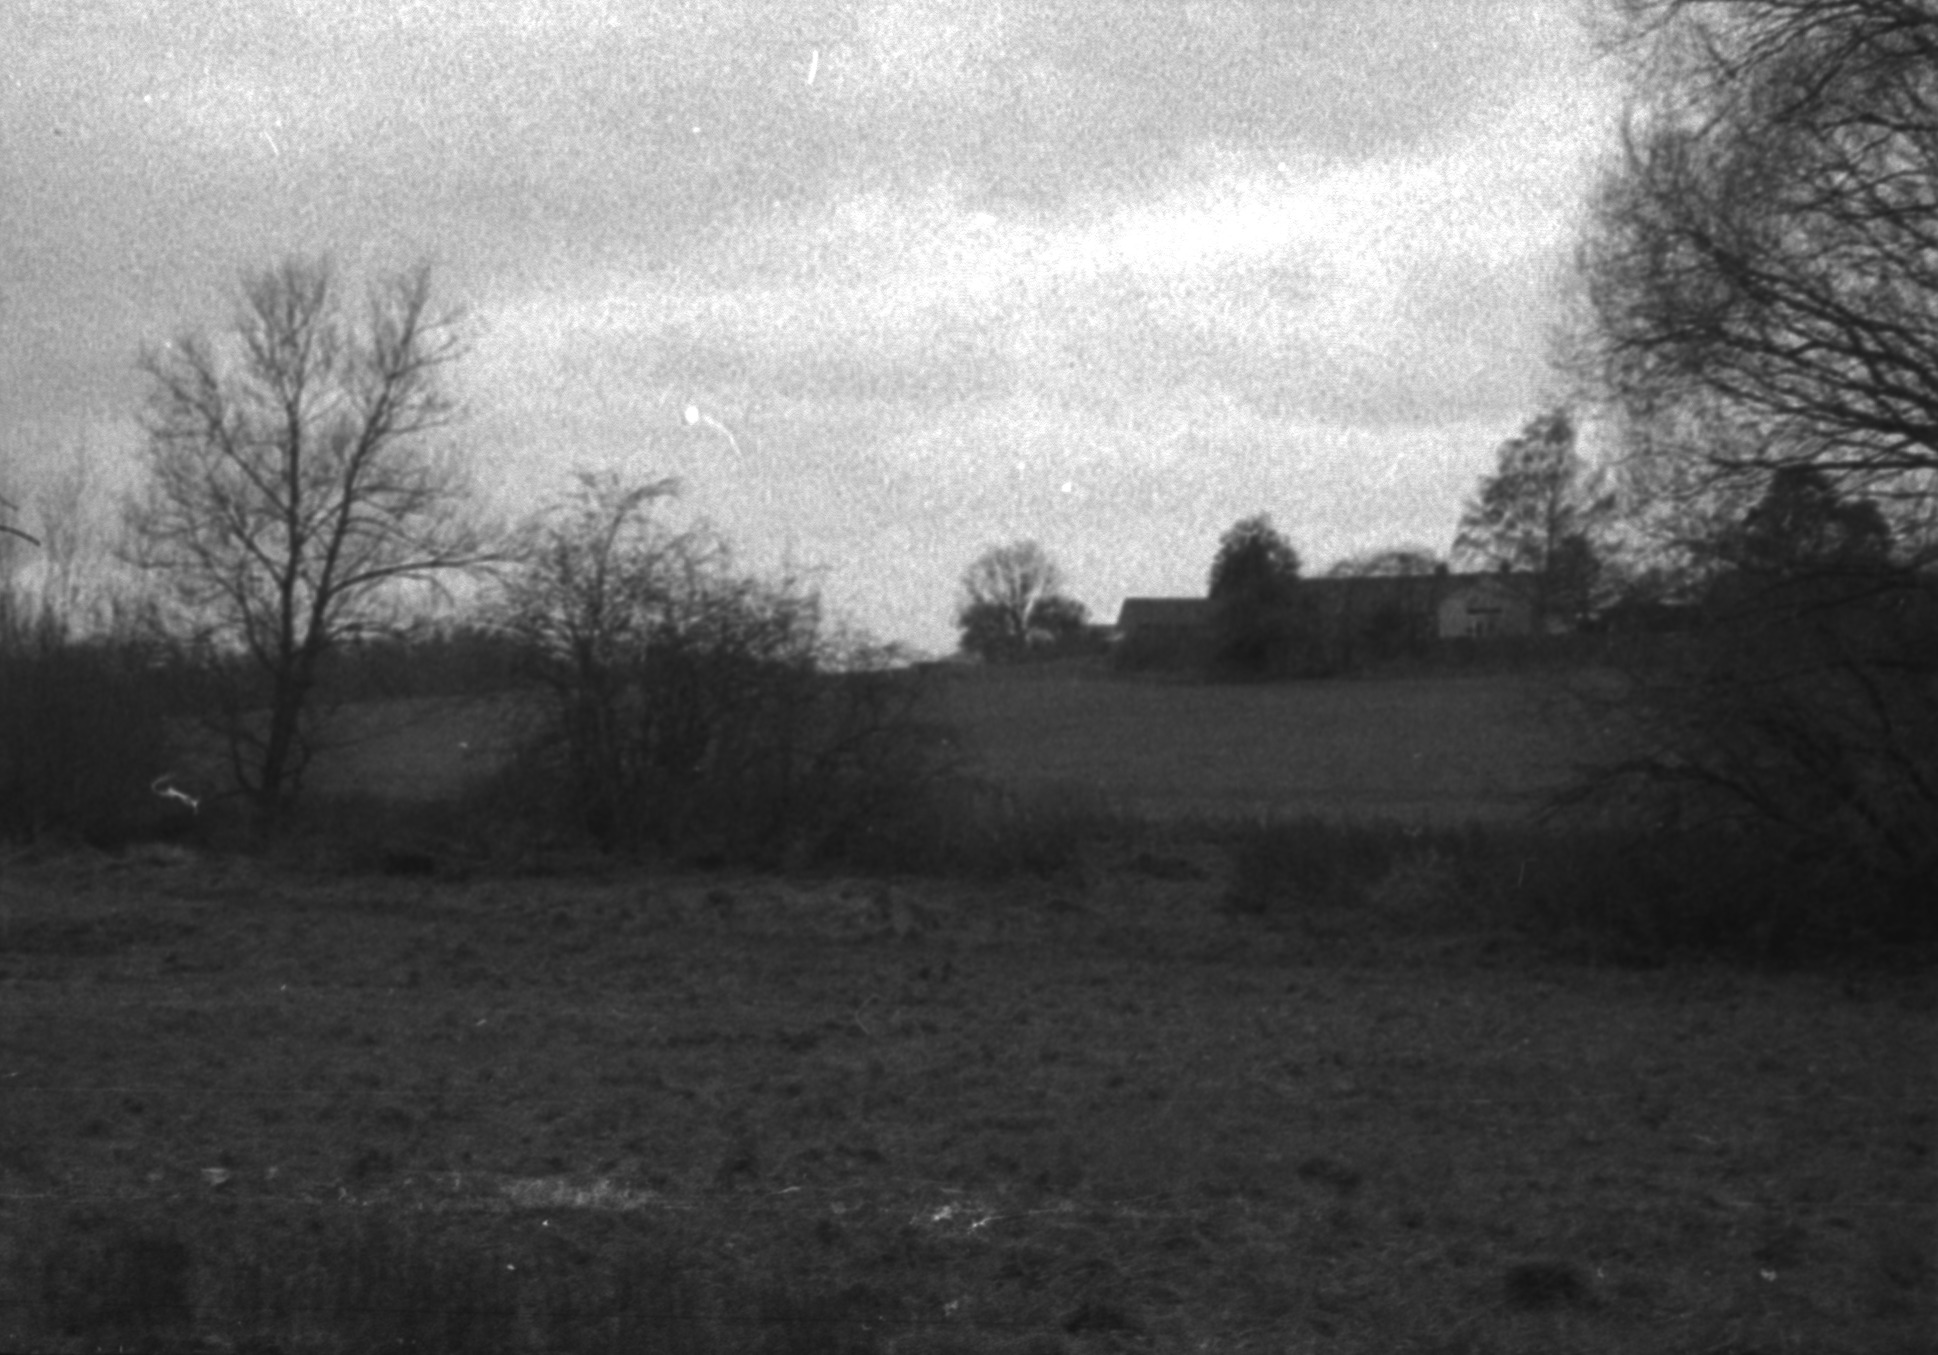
(1762, 266)
(1761, 273)
(1541, 514)
(1258, 626)
(1254, 562)
(1012, 602)
(1397, 562)
(1802, 525)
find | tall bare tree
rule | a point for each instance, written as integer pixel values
(1762, 280)
(73, 581)
(1541, 513)
(1762, 266)
(8, 529)
(13, 542)
(688, 705)
(1012, 596)
(297, 496)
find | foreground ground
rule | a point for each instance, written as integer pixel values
(1097, 1113)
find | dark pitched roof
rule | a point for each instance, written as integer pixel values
(1335, 596)
(1498, 585)
(1164, 614)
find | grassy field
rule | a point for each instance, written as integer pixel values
(1433, 749)
(416, 749)
(742, 1114)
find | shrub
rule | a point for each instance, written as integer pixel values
(1601, 892)
(1795, 733)
(688, 708)
(1309, 865)
(965, 827)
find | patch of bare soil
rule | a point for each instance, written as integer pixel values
(1097, 1114)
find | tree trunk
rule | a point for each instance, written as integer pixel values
(279, 755)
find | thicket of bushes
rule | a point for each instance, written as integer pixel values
(685, 707)
(1601, 892)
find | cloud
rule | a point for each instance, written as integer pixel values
(1374, 292)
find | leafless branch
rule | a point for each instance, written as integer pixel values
(295, 486)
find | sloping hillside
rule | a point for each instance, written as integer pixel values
(1430, 748)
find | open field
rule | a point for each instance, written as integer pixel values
(741, 1114)
(1439, 749)
(1434, 749)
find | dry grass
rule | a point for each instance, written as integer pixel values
(1433, 749)
(835, 1116)
(419, 749)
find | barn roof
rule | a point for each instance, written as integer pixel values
(1164, 614)
(1353, 595)
(1360, 594)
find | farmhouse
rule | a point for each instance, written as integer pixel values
(1391, 611)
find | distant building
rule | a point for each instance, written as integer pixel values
(1401, 608)
(1151, 616)
(1357, 617)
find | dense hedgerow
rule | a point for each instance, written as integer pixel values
(1621, 893)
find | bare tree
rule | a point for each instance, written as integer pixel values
(296, 498)
(8, 529)
(1010, 595)
(75, 579)
(1541, 514)
(1762, 267)
(8, 532)
(1762, 286)
(14, 609)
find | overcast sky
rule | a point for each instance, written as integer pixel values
(1110, 274)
